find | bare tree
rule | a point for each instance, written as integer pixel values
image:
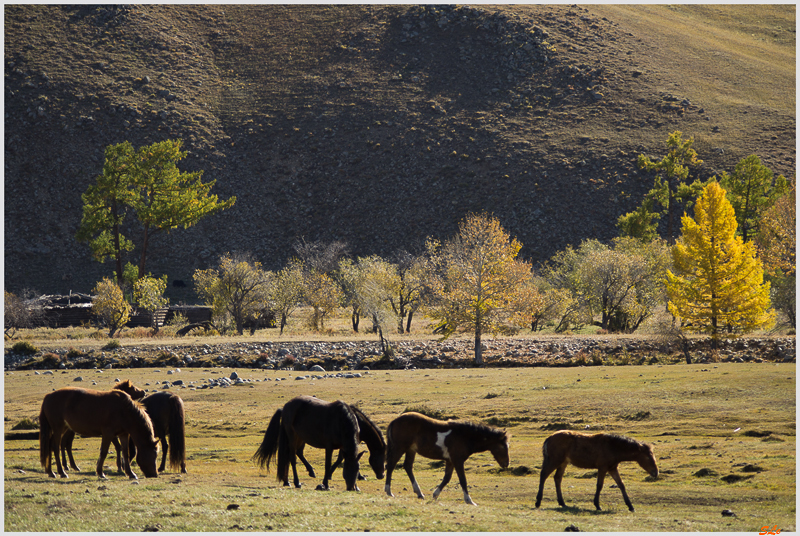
(21, 312)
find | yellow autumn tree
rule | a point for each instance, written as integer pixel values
(718, 283)
(478, 276)
(110, 305)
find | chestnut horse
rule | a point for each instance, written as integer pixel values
(69, 436)
(369, 433)
(166, 411)
(603, 452)
(323, 425)
(91, 413)
(452, 441)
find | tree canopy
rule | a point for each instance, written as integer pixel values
(717, 282)
(148, 183)
(752, 189)
(479, 274)
(670, 190)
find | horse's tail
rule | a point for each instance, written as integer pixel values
(283, 455)
(45, 431)
(269, 446)
(177, 433)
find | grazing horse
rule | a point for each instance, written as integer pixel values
(91, 413)
(370, 434)
(452, 441)
(603, 452)
(166, 411)
(69, 436)
(323, 425)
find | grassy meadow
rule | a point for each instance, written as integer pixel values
(733, 423)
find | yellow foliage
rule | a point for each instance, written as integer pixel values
(110, 305)
(718, 281)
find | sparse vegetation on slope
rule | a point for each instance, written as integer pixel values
(378, 125)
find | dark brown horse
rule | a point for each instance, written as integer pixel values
(452, 441)
(69, 436)
(108, 414)
(166, 411)
(603, 452)
(308, 420)
(370, 434)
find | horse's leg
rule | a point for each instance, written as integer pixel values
(462, 479)
(557, 479)
(601, 475)
(103, 453)
(547, 469)
(126, 457)
(392, 457)
(618, 479)
(408, 465)
(328, 457)
(118, 449)
(448, 474)
(293, 462)
(55, 448)
(305, 462)
(164, 448)
(66, 446)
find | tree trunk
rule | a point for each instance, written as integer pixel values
(145, 239)
(117, 250)
(283, 322)
(408, 323)
(478, 349)
(355, 319)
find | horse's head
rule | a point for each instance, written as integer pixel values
(500, 451)
(647, 459)
(350, 471)
(127, 387)
(377, 460)
(147, 456)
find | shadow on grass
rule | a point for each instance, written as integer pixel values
(576, 510)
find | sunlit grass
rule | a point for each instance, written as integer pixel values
(690, 413)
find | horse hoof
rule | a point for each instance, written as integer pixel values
(320, 487)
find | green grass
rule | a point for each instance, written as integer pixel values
(688, 412)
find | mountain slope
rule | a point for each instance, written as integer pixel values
(378, 125)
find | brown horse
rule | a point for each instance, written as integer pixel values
(69, 436)
(324, 425)
(167, 415)
(603, 452)
(108, 414)
(166, 411)
(452, 441)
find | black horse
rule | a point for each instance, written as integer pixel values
(370, 434)
(324, 425)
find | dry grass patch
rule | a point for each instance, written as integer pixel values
(690, 414)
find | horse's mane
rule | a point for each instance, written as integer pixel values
(139, 412)
(377, 432)
(481, 430)
(624, 441)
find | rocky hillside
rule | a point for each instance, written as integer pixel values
(376, 125)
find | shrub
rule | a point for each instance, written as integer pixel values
(26, 424)
(73, 352)
(113, 344)
(24, 347)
